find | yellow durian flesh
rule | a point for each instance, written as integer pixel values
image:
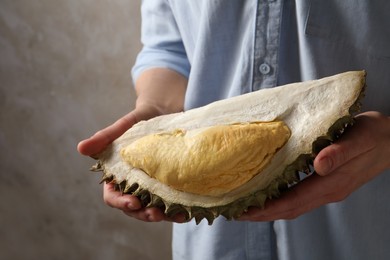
(209, 161)
(316, 112)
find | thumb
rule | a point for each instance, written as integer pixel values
(99, 141)
(353, 143)
(328, 159)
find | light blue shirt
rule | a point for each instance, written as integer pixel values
(230, 47)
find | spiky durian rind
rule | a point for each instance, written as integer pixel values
(229, 211)
(234, 209)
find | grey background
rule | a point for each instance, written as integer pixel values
(64, 74)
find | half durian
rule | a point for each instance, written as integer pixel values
(235, 153)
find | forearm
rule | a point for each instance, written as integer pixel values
(161, 91)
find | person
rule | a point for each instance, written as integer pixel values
(197, 52)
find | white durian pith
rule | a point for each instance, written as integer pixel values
(313, 111)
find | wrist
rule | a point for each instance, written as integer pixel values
(146, 110)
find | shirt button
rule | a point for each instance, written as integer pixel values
(264, 68)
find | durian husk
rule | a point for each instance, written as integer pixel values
(317, 113)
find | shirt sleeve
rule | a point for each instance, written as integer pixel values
(162, 43)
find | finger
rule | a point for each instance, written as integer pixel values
(118, 200)
(294, 202)
(130, 205)
(155, 215)
(99, 141)
(147, 214)
(352, 144)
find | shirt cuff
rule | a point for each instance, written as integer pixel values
(159, 58)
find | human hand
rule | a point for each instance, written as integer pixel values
(159, 91)
(360, 155)
(129, 204)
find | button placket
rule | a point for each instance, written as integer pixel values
(268, 22)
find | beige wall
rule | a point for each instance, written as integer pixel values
(64, 74)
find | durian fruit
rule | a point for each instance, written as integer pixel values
(235, 153)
